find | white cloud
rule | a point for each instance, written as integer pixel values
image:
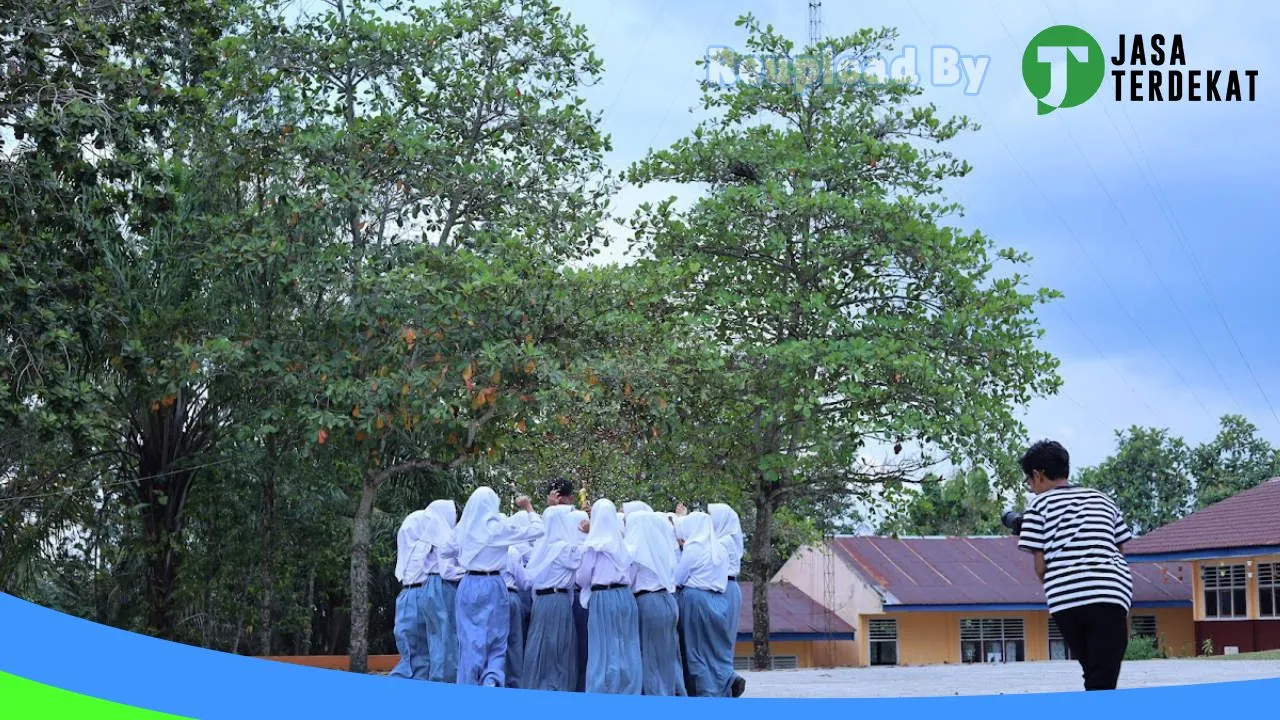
(1104, 394)
(650, 82)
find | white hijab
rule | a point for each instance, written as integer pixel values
(635, 506)
(480, 518)
(605, 538)
(707, 557)
(410, 537)
(444, 517)
(561, 533)
(652, 542)
(521, 519)
(726, 524)
(578, 517)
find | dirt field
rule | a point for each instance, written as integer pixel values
(1031, 677)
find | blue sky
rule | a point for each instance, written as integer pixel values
(1152, 218)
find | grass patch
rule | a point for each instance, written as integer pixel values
(1261, 655)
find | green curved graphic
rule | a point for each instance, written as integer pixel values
(29, 699)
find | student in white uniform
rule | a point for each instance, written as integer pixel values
(631, 507)
(443, 574)
(580, 612)
(481, 542)
(652, 542)
(551, 650)
(613, 621)
(728, 529)
(703, 573)
(517, 582)
(411, 615)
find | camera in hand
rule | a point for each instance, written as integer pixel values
(1012, 520)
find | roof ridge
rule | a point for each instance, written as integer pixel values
(1229, 522)
(922, 537)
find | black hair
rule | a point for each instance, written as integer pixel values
(561, 485)
(1049, 457)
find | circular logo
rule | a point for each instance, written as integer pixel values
(1063, 66)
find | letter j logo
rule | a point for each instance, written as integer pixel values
(1063, 67)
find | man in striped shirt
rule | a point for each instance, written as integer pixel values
(1076, 535)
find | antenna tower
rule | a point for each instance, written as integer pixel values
(829, 589)
(815, 23)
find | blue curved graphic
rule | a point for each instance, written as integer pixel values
(82, 657)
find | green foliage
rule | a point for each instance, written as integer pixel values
(848, 314)
(1148, 477)
(1156, 478)
(1143, 648)
(260, 260)
(1234, 461)
(964, 504)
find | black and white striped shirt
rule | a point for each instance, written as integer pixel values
(1080, 532)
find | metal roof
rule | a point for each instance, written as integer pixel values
(951, 571)
(791, 612)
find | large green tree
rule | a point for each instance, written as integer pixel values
(120, 201)
(1237, 459)
(963, 504)
(468, 171)
(850, 315)
(1148, 477)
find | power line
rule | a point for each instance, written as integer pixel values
(92, 485)
(1153, 182)
(1079, 246)
(1180, 236)
(1115, 296)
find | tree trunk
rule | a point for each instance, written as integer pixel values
(166, 438)
(161, 520)
(311, 612)
(360, 541)
(266, 541)
(761, 549)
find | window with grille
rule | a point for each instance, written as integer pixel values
(1058, 649)
(882, 634)
(1224, 591)
(780, 662)
(1269, 590)
(1143, 626)
(996, 640)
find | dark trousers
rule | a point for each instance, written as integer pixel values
(1098, 635)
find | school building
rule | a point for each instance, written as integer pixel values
(931, 600)
(802, 633)
(1232, 550)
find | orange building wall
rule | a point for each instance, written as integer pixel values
(809, 653)
(929, 638)
(1175, 630)
(1251, 593)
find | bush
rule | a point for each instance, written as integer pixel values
(1142, 648)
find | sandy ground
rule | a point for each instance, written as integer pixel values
(1029, 677)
